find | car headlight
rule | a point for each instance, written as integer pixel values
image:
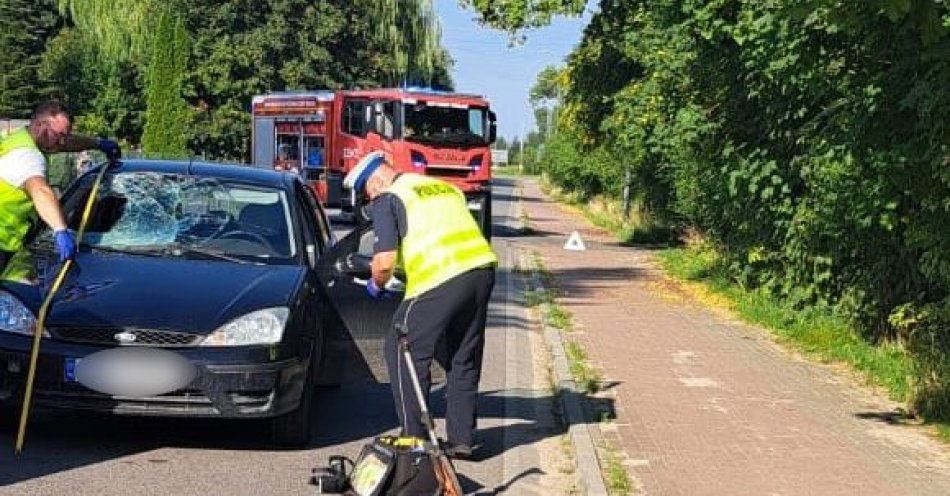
(15, 317)
(259, 327)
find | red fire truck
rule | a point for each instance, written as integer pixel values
(323, 134)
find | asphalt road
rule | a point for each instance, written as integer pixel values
(79, 454)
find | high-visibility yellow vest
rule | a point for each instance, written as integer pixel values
(442, 239)
(16, 207)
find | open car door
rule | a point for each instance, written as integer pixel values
(355, 343)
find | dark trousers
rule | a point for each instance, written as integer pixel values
(446, 323)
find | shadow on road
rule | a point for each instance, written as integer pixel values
(60, 441)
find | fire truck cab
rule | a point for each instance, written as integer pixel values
(322, 135)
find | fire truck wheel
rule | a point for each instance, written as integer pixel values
(484, 216)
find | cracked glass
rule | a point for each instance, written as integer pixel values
(149, 211)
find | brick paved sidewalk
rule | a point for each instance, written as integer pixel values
(708, 405)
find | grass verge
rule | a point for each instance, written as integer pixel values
(817, 332)
(586, 376)
(615, 474)
(607, 213)
(509, 170)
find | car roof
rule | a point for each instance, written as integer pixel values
(234, 172)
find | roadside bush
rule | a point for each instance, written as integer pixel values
(809, 141)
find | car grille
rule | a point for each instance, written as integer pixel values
(146, 337)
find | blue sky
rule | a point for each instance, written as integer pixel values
(484, 64)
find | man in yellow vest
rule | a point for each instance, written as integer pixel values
(423, 225)
(23, 185)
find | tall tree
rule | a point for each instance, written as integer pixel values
(517, 15)
(105, 95)
(167, 114)
(133, 31)
(409, 32)
(240, 48)
(250, 47)
(25, 28)
(121, 28)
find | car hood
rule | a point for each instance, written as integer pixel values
(180, 294)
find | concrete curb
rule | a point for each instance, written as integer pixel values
(589, 473)
(582, 432)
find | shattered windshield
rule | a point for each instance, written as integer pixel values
(443, 124)
(180, 215)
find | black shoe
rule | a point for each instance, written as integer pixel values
(458, 451)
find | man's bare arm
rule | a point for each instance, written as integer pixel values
(78, 143)
(45, 201)
(383, 265)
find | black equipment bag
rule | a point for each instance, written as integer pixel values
(395, 466)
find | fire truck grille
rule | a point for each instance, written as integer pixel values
(108, 336)
(448, 172)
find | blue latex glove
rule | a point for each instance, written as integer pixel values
(376, 292)
(65, 244)
(110, 148)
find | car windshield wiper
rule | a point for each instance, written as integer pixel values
(151, 250)
(220, 255)
(217, 254)
(174, 249)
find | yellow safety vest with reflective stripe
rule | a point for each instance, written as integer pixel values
(442, 239)
(16, 207)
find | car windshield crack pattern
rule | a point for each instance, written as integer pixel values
(154, 211)
(155, 208)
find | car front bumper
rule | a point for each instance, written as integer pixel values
(239, 382)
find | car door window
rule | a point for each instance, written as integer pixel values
(308, 227)
(365, 322)
(323, 227)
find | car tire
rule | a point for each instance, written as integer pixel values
(293, 429)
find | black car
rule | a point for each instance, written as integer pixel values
(234, 268)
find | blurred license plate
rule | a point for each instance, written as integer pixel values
(69, 369)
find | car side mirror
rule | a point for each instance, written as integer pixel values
(492, 127)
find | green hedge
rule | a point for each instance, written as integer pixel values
(809, 140)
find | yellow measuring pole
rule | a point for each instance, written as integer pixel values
(44, 311)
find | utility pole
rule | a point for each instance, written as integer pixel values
(550, 119)
(521, 152)
(627, 191)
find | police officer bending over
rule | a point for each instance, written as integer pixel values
(424, 224)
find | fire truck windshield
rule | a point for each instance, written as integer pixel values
(444, 125)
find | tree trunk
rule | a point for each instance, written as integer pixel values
(627, 192)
